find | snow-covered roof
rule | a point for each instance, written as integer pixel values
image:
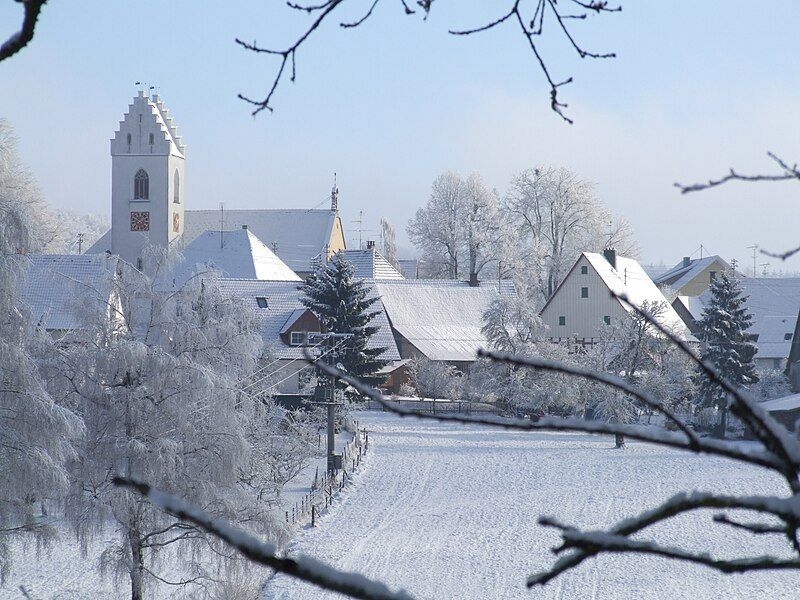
(297, 236)
(283, 302)
(236, 254)
(630, 279)
(441, 319)
(693, 305)
(58, 289)
(774, 303)
(368, 263)
(683, 273)
(791, 402)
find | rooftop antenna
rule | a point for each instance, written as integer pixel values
(80, 242)
(221, 223)
(754, 248)
(764, 266)
(334, 195)
(359, 221)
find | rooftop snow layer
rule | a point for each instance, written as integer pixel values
(442, 319)
(791, 402)
(235, 254)
(680, 274)
(59, 288)
(630, 279)
(370, 264)
(283, 300)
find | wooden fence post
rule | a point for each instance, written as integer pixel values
(313, 515)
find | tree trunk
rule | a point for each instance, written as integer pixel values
(619, 440)
(722, 428)
(136, 566)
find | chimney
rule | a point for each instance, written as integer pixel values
(687, 261)
(473, 280)
(370, 244)
(610, 255)
(244, 226)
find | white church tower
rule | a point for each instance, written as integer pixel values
(147, 185)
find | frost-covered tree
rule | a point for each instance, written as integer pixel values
(68, 232)
(726, 343)
(458, 232)
(159, 394)
(388, 243)
(36, 434)
(552, 216)
(771, 384)
(436, 230)
(434, 379)
(343, 305)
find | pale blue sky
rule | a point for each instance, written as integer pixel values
(697, 87)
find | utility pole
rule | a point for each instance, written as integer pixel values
(360, 221)
(755, 267)
(325, 392)
(80, 242)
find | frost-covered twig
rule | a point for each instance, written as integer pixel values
(635, 432)
(789, 172)
(20, 39)
(300, 567)
(530, 22)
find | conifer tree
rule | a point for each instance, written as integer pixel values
(726, 343)
(343, 304)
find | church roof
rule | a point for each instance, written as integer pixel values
(297, 236)
(368, 263)
(235, 254)
(60, 289)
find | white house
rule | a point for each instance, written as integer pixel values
(368, 263)
(583, 302)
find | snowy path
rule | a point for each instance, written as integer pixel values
(450, 512)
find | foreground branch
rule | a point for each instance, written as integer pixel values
(789, 172)
(20, 39)
(301, 567)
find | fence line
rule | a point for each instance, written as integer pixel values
(322, 489)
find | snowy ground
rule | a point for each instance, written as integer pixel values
(446, 511)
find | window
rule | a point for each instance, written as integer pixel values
(787, 336)
(129, 139)
(298, 338)
(584, 270)
(151, 139)
(562, 320)
(139, 264)
(607, 320)
(584, 292)
(262, 302)
(176, 188)
(712, 275)
(141, 185)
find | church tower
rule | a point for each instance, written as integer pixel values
(147, 185)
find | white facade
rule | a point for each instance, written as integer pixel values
(583, 303)
(147, 179)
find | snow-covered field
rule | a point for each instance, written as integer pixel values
(446, 511)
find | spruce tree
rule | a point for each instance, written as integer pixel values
(726, 343)
(343, 304)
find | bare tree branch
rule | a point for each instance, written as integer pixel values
(301, 567)
(789, 172)
(20, 39)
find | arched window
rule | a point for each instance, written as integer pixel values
(176, 188)
(151, 139)
(141, 185)
(129, 139)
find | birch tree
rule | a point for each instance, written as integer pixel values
(36, 434)
(159, 395)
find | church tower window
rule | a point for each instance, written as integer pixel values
(141, 185)
(151, 139)
(176, 188)
(129, 139)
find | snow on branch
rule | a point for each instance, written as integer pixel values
(530, 22)
(635, 432)
(788, 173)
(300, 567)
(21, 38)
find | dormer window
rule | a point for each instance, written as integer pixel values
(141, 185)
(298, 338)
(262, 302)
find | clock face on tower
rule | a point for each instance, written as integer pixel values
(176, 223)
(140, 221)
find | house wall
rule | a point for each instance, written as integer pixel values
(701, 282)
(288, 371)
(337, 241)
(584, 316)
